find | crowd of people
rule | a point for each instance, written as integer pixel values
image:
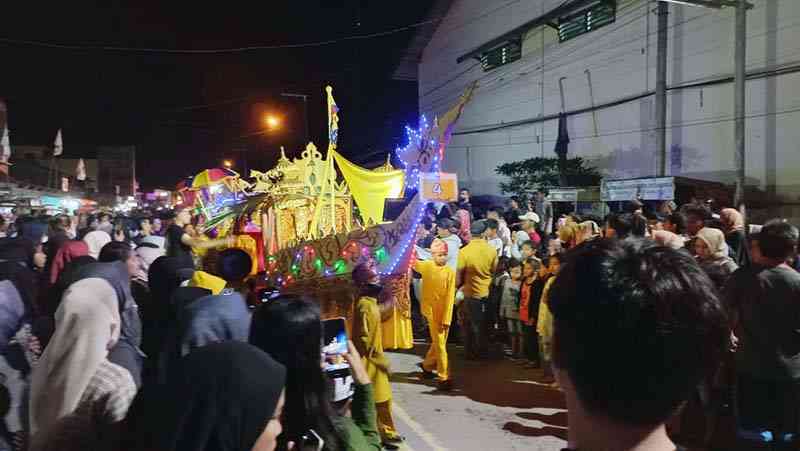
(643, 317)
(119, 333)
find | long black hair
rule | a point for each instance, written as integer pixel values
(290, 330)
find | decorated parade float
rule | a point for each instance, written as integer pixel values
(310, 220)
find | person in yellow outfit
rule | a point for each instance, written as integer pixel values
(438, 298)
(368, 339)
(544, 324)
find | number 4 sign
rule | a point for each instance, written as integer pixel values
(438, 186)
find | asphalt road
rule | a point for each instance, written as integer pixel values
(496, 405)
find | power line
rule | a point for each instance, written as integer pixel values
(111, 48)
(639, 131)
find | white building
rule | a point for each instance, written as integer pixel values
(503, 121)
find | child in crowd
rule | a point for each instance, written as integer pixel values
(494, 300)
(438, 297)
(492, 237)
(527, 316)
(523, 251)
(544, 324)
(509, 306)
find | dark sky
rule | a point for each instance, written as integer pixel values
(185, 112)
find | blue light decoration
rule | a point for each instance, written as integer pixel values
(412, 232)
(420, 154)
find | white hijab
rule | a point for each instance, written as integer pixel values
(87, 326)
(95, 241)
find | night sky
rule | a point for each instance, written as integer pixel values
(186, 112)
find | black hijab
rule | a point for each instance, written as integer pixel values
(115, 273)
(165, 275)
(220, 399)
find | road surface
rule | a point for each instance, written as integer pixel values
(496, 405)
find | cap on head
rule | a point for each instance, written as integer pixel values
(477, 228)
(530, 216)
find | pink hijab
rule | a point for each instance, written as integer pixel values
(66, 253)
(464, 231)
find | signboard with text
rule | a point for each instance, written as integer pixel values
(438, 186)
(563, 195)
(657, 188)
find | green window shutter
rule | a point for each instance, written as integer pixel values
(595, 16)
(506, 53)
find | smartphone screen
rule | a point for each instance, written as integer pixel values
(335, 344)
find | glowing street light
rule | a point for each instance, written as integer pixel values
(272, 121)
(227, 163)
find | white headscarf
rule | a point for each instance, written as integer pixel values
(87, 326)
(95, 240)
(147, 255)
(715, 240)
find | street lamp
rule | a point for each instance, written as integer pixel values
(227, 163)
(272, 121)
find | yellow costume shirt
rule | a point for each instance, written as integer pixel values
(368, 339)
(478, 260)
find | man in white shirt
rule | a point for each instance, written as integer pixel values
(503, 232)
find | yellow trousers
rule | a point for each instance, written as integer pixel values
(385, 420)
(436, 358)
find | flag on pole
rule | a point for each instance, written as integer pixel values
(333, 118)
(80, 171)
(5, 146)
(58, 145)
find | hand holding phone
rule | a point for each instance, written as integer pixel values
(311, 441)
(356, 365)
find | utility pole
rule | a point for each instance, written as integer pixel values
(662, 12)
(740, 78)
(739, 81)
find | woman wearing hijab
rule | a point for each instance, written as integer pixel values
(68, 252)
(164, 276)
(223, 397)
(77, 394)
(203, 316)
(57, 237)
(95, 240)
(463, 218)
(127, 350)
(18, 352)
(733, 225)
(712, 254)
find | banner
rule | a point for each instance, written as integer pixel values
(370, 188)
(438, 186)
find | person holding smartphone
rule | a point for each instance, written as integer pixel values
(289, 329)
